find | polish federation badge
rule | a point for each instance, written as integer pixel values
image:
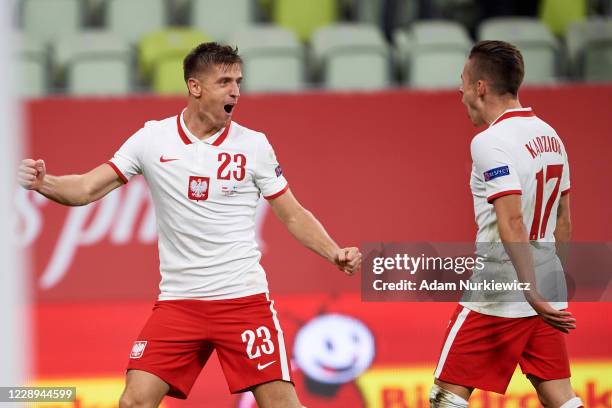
(198, 188)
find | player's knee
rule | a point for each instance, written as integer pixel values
(136, 400)
(441, 398)
(573, 403)
(276, 394)
(126, 402)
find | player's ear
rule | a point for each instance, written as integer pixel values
(195, 87)
(481, 88)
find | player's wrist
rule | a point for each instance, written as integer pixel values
(332, 254)
(41, 185)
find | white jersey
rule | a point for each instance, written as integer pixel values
(518, 154)
(205, 194)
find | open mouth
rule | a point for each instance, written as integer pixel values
(228, 107)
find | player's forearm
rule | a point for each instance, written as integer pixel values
(67, 190)
(514, 237)
(309, 232)
(563, 235)
(563, 230)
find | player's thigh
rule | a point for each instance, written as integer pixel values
(546, 363)
(249, 342)
(474, 340)
(142, 389)
(552, 393)
(276, 394)
(172, 345)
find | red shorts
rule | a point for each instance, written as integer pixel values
(180, 336)
(482, 351)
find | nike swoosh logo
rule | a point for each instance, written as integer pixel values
(262, 366)
(162, 159)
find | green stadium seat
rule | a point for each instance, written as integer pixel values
(46, 20)
(100, 76)
(432, 53)
(304, 17)
(539, 47)
(559, 14)
(273, 59)
(212, 17)
(589, 46)
(95, 62)
(31, 66)
(161, 54)
(170, 44)
(168, 76)
(351, 57)
(131, 19)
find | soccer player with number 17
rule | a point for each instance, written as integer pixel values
(520, 184)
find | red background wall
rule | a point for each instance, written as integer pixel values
(390, 166)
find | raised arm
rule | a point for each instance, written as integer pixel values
(308, 230)
(513, 235)
(73, 190)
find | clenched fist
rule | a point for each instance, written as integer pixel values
(31, 174)
(348, 260)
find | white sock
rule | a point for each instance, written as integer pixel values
(572, 403)
(441, 398)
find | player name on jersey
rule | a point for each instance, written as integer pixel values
(543, 144)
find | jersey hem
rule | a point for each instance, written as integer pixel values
(215, 297)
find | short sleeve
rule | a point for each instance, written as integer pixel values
(565, 177)
(127, 161)
(268, 172)
(496, 167)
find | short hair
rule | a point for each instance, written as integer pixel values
(500, 63)
(207, 55)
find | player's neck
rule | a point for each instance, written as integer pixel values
(498, 106)
(199, 125)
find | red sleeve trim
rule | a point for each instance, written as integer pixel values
(119, 173)
(564, 192)
(280, 193)
(503, 193)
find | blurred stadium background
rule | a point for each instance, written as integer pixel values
(359, 99)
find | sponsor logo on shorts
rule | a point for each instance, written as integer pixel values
(263, 366)
(496, 172)
(138, 349)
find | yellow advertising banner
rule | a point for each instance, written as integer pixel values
(99, 392)
(408, 387)
(382, 387)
